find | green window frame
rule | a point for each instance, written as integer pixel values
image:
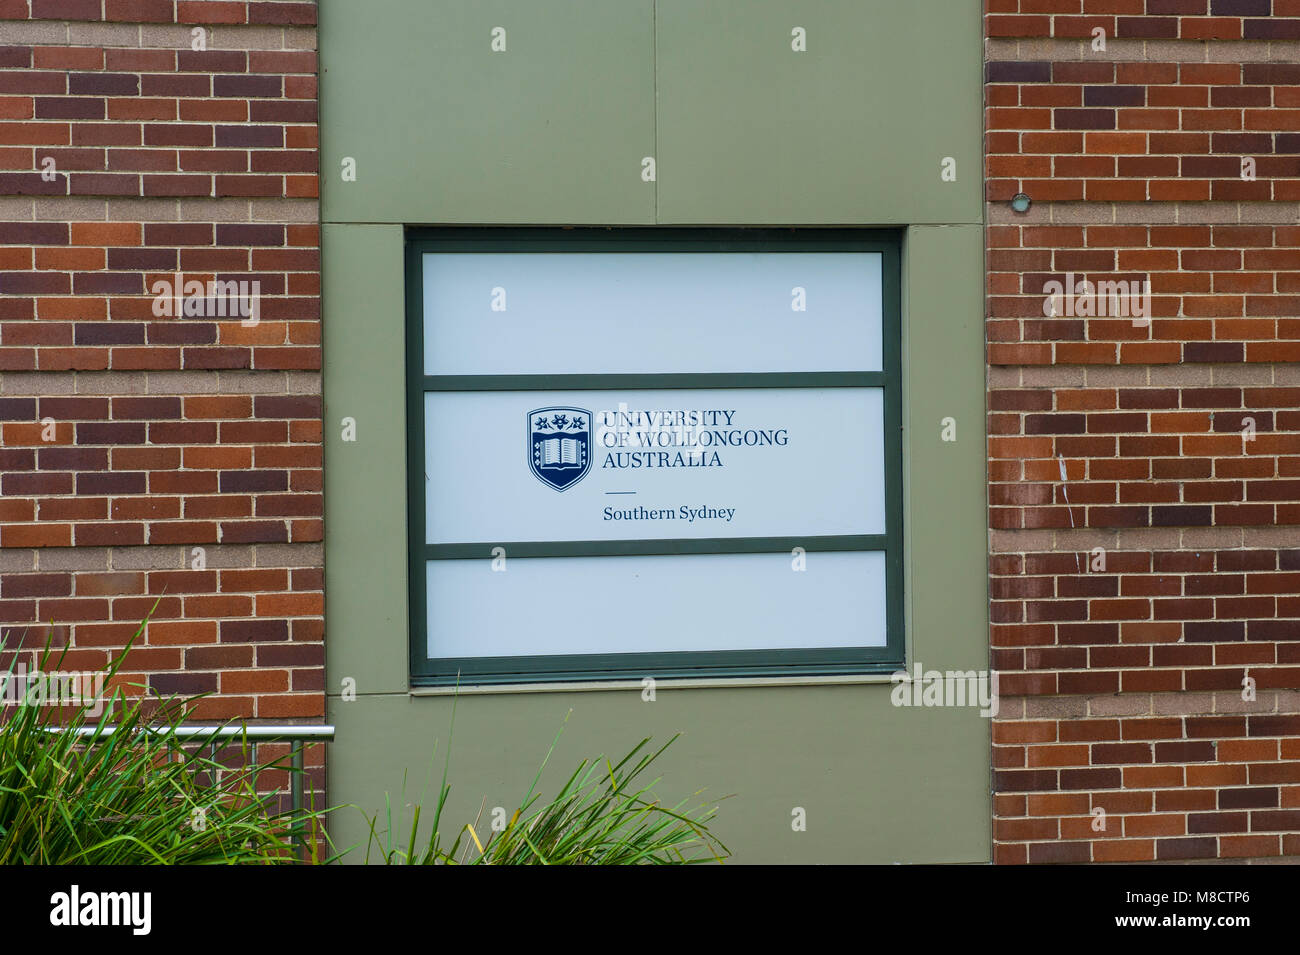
(426, 671)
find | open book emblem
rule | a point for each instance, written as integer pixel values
(559, 445)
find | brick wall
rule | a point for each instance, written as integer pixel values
(146, 456)
(1145, 475)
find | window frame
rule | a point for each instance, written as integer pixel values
(829, 661)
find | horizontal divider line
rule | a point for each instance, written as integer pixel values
(807, 379)
(638, 548)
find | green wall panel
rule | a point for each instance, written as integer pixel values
(852, 130)
(552, 132)
(879, 783)
(444, 130)
(944, 481)
(365, 479)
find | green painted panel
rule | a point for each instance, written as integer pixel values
(878, 784)
(852, 130)
(944, 481)
(444, 130)
(365, 479)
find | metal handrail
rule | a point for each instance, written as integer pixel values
(322, 731)
(296, 734)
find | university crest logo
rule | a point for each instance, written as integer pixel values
(559, 445)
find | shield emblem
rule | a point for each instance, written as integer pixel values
(559, 445)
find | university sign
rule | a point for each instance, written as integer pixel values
(751, 457)
(740, 462)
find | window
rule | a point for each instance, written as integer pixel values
(664, 453)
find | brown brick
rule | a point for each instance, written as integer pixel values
(1193, 848)
(253, 631)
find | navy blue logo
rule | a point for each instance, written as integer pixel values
(559, 445)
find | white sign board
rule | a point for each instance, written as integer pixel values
(657, 460)
(553, 605)
(618, 313)
(640, 465)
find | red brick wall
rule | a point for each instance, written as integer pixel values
(129, 440)
(1123, 685)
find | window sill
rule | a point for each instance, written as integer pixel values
(688, 683)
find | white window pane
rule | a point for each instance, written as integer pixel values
(650, 312)
(802, 461)
(645, 604)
